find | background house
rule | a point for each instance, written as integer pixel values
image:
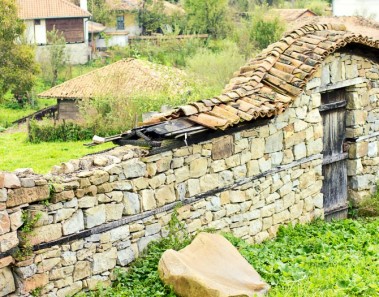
(366, 8)
(120, 79)
(41, 16)
(290, 15)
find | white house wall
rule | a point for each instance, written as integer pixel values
(366, 8)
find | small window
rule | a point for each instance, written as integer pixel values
(120, 23)
(37, 22)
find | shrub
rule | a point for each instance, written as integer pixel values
(216, 68)
(266, 28)
(48, 131)
(369, 207)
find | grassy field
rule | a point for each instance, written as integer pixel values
(320, 259)
(16, 152)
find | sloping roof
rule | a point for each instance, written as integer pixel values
(48, 9)
(292, 14)
(130, 5)
(122, 78)
(94, 27)
(266, 85)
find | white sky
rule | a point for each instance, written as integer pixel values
(365, 8)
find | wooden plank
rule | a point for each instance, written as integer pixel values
(334, 158)
(340, 85)
(223, 147)
(72, 28)
(333, 105)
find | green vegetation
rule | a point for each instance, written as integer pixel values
(16, 152)
(369, 206)
(319, 259)
(142, 278)
(17, 67)
(25, 248)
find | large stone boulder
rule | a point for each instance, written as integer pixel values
(210, 266)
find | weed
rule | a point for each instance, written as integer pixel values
(25, 249)
(369, 206)
(36, 292)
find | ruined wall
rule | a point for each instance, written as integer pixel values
(101, 211)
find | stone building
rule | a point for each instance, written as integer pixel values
(292, 138)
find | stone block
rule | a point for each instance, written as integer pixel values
(19, 196)
(237, 196)
(148, 200)
(372, 149)
(239, 171)
(182, 174)
(274, 143)
(11, 181)
(253, 168)
(125, 257)
(164, 195)
(113, 212)
(94, 216)
(257, 148)
(3, 195)
(46, 233)
(48, 264)
(104, 261)
(99, 177)
(5, 222)
(63, 214)
(358, 150)
(314, 147)
(120, 233)
(255, 227)
(8, 241)
(34, 282)
(209, 182)
(63, 196)
(82, 270)
(131, 203)
(134, 168)
(198, 167)
(354, 167)
(87, 202)
(313, 117)
(71, 290)
(356, 117)
(163, 164)
(351, 71)
(144, 241)
(73, 224)
(281, 217)
(264, 164)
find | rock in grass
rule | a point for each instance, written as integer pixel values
(210, 266)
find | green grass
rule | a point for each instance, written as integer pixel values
(320, 259)
(16, 152)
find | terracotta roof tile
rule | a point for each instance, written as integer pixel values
(47, 9)
(267, 84)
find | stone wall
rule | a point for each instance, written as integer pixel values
(101, 211)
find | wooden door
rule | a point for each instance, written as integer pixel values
(334, 167)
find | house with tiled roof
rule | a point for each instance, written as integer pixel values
(307, 104)
(126, 21)
(42, 16)
(120, 79)
(291, 15)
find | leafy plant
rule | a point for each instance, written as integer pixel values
(25, 249)
(369, 206)
(320, 259)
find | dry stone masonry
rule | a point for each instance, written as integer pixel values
(101, 211)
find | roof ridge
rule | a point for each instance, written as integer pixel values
(75, 6)
(267, 84)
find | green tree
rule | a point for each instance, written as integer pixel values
(17, 65)
(151, 16)
(209, 16)
(55, 56)
(102, 12)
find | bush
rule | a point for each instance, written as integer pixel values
(216, 68)
(266, 28)
(47, 131)
(369, 207)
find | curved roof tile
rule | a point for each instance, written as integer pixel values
(267, 84)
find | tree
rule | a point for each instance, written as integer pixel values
(101, 12)
(18, 68)
(55, 56)
(207, 16)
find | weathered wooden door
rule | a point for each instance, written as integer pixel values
(334, 167)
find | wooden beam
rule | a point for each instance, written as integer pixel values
(340, 85)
